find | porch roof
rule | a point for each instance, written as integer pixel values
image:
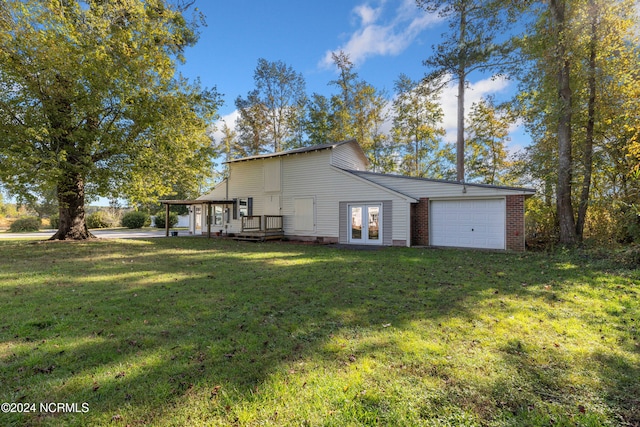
(198, 202)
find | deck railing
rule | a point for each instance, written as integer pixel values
(273, 223)
(254, 223)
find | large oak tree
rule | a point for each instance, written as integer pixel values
(90, 102)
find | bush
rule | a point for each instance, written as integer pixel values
(136, 219)
(160, 216)
(54, 221)
(98, 219)
(540, 224)
(30, 223)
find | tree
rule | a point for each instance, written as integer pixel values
(470, 46)
(274, 110)
(227, 146)
(343, 104)
(46, 205)
(417, 123)
(251, 125)
(581, 100)
(318, 124)
(488, 126)
(562, 61)
(358, 111)
(89, 102)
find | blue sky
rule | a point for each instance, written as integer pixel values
(383, 38)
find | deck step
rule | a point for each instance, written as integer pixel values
(259, 236)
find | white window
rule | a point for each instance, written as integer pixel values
(217, 215)
(243, 207)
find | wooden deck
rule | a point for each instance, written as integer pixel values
(253, 230)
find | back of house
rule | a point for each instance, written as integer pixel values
(324, 193)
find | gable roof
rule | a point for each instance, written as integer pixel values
(298, 151)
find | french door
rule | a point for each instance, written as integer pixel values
(365, 224)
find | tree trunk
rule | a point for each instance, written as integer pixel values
(564, 206)
(72, 224)
(462, 75)
(460, 136)
(587, 157)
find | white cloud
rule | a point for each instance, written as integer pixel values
(381, 32)
(229, 119)
(367, 14)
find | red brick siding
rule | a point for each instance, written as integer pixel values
(420, 223)
(515, 223)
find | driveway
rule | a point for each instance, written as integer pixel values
(103, 234)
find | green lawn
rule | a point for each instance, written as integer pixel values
(186, 331)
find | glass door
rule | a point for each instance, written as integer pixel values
(365, 224)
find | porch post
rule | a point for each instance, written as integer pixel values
(166, 220)
(209, 220)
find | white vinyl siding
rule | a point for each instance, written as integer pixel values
(306, 174)
(272, 175)
(348, 156)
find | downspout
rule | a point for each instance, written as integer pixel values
(226, 198)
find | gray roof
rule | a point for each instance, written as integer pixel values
(364, 174)
(294, 151)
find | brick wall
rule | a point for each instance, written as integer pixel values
(515, 223)
(420, 223)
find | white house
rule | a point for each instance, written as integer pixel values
(324, 193)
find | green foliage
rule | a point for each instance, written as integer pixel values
(628, 257)
(540, 224)
(595, 104)
(99, 219)
(136, 219)
(91, 98)
(417, 128)
(628, 226)
(25, 224)
(160, 219)
(488, 127)
(54, 221)
(271, 114)
(45, 204)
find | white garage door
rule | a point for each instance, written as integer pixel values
(468, 223)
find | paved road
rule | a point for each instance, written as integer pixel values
(105, 234)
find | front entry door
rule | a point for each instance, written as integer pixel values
(366, 224)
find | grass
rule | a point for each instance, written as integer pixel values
(187, 331)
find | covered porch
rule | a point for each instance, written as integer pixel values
(208, 204)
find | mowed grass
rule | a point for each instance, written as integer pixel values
(189, 331)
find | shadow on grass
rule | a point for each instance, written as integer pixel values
(138, 329)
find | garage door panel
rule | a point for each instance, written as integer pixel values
(468, 223)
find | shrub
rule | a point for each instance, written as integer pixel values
(540, 224)
(160, 216)
(30, 223)
(628, 257)
(54, 221)
(98, 219)
(135, 219)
